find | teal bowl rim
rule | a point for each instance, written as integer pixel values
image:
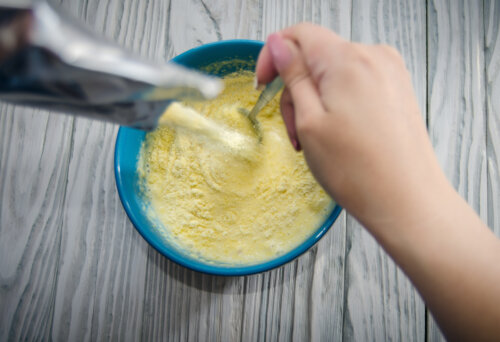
(172, 254)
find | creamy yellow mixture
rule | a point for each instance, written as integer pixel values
(223, 203)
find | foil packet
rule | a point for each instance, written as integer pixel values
(49, 60)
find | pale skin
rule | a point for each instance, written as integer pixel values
(352, 109)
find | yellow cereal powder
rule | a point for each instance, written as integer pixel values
(220, 205)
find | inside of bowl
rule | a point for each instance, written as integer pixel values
(221, 58)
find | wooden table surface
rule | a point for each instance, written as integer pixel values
(72, 266)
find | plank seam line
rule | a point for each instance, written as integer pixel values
(344, 287)
(427, 108)
(64, 199)
(346, 250)
(489, 221)
(243, 297)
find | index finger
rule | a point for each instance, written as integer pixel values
(315, 43)
(265, 71)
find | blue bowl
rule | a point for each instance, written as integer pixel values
(127, 149)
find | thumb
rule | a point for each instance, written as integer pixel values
(289, 62)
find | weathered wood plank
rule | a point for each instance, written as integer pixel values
(315, 295)
(103, 260)
(492, 67)
(34, 157)
(336, 15)
(101, 279)
(381, 303)
(456, 93)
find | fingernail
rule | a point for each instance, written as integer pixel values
(295, 144)
(282, 56)
(258, 86)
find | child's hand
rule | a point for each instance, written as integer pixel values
(352, 109)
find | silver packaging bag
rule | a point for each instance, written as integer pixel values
(49, 61)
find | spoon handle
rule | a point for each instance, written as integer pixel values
(267, 95)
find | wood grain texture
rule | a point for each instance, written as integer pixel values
(492, 67)
(103, 260)
(72, 267)
(90, 282)
(101, 284)
(335, 15)
(34, 157)
(381, 302)
(457, 117)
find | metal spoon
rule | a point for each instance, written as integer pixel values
(265, 97)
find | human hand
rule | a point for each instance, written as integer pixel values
(352, 109)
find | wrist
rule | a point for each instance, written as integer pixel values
(412, 212)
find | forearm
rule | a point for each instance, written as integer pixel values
(452, 258)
